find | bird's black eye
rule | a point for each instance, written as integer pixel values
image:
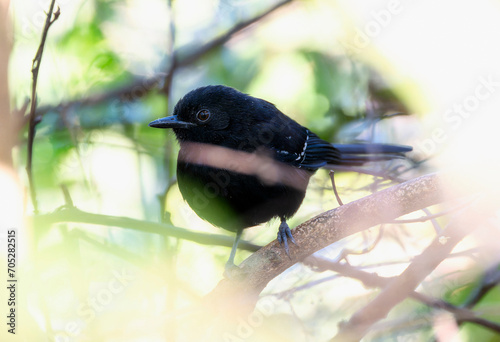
(203, 115)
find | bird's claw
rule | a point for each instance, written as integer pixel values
(285, 233)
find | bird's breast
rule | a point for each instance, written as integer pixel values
(234, 189)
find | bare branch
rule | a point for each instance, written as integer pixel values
(72, 214)
(33, 121)
(374, 280)
(321, 231)
(203, 50)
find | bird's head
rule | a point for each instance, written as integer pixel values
(205, 114)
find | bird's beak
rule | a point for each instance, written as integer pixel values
(170, 122)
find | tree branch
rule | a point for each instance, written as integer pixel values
(243, 288)
(72, 214)
(403, 286)
(33, 121)
(374, 280)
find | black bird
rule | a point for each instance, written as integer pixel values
(243, 162)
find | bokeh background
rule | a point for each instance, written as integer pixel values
(417, 73)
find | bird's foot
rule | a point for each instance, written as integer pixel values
(231, 269)
(284, 233)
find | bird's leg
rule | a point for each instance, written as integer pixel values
(332, 177)
(284, 233)
(230, 262)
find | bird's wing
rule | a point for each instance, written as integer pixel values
(306, 151)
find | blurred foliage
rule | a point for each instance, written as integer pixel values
(112, 163)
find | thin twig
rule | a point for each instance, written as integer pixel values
(332, 177)
(72, 214)
(215, 43)
(33, 121)
(437, 227)
(367, 249)
(67, 196)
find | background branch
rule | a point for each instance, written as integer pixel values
(373, 280)
(71, 214)
(404, 285)
(181, 58)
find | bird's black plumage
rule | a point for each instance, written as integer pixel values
(243, 162)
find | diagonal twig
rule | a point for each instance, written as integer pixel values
(337, 196)
(203, 50)
(33, 121)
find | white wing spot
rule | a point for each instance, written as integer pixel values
(303, 153)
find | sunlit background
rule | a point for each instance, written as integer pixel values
(336, 67)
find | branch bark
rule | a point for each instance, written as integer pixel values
(242, 289)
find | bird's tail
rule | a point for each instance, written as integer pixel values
(358, 154)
